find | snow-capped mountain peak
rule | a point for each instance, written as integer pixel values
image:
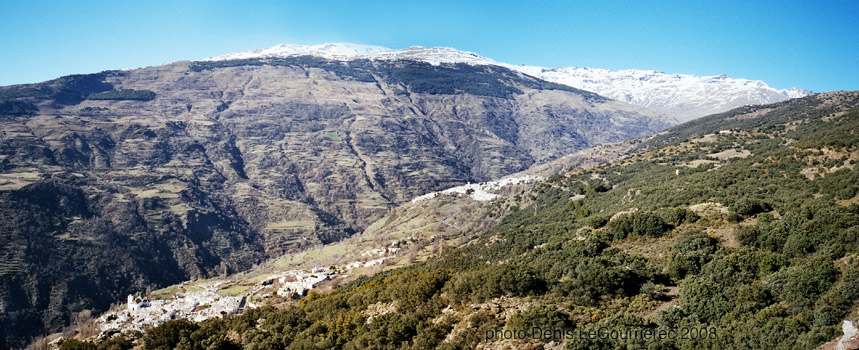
(347, 51)
(435, 55)
(681, 96)
(795, 92)
(334, 51)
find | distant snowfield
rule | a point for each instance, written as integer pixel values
(347, 51)
(681, 96)
(480, 192)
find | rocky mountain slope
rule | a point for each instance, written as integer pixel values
(116, 181)
(681, 96)
(738, 230)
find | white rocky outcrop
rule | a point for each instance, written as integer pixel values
(849, 340)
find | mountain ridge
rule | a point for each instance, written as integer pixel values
(194, 169)
(682, 96)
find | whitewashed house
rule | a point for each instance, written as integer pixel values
(136, 303)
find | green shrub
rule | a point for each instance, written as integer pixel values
(690, 252)
(800, 285)
(581, 212)
(747, 207)
(732, 217)
(590, 247)
(649, 225)
(116, 342)
(545, 317)
(169, 335)
(678, 216)
(621, 226)
(646, 224)
(848, 192)
(746, 235)
(74, 344)
(596, 221)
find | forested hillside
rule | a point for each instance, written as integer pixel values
(741, 236)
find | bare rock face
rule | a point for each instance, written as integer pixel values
(848, 341)
(120, 180)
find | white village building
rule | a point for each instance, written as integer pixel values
(136, 303)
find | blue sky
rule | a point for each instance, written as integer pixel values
(808, 44)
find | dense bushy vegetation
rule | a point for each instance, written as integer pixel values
(752, 253)
(68, 90)
(17, 108)
(123, 94)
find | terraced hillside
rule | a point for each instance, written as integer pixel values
(742, 227)
(114, 182)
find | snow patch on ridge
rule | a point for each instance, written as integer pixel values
(681, 96)
(347, 51)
